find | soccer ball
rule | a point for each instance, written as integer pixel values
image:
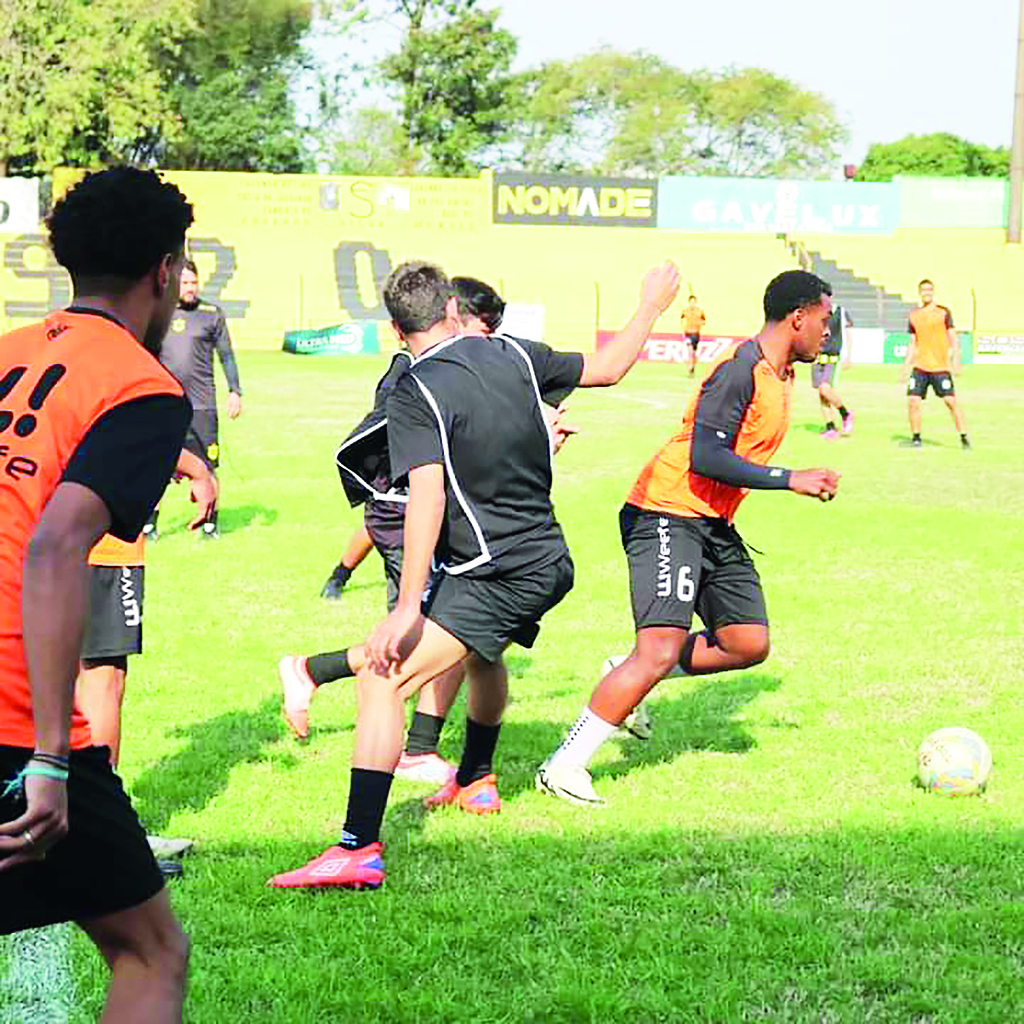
(954, 761)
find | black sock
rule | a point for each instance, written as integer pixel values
(844, 412)
(210, 522)
(341, 573)
(423, 734)
(830, 425)
(963, 439)
(325, 668)
(478, 752)
(151, 521)
(916, 437)
(367, 798)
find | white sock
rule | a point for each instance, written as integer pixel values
(584, 738)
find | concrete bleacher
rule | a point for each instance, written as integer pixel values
(975, 272)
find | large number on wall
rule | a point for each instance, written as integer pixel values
(346, 276)
(58, 292)
(213, 284)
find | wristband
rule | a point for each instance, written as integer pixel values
(55, 759)
(45, 769)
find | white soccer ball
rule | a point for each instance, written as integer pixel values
(954, 761)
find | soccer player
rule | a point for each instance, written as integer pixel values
(693, 320)
(933, 359)
(364, 466)
(825, 375)
(96, 427)
(466, 425)
(197, 331)
(683, 552)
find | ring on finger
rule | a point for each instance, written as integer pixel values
(28, 837)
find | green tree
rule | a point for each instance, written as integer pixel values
(452, 76)
(940, 155)
(78, 82)
(370, 141)
(617, 113)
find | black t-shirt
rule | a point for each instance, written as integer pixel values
(474, 405)
(195, 333)
(128, 456)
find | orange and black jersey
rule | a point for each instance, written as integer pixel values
(732, 427)
(930, 326)
(81, 401)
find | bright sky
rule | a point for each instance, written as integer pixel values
(891, 67)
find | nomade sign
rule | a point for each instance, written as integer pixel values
(572, 199)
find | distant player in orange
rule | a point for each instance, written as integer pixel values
(933, 359)
(684, 553)
(693, 320)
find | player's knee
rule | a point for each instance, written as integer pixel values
(747, 646)
(659, 655)
(161, 950)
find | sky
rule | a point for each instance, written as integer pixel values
(890, 67)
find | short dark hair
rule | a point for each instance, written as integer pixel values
(116, 225)
(691, 297)
(479, 299)
(416, 294)
(790, 290)
(923, 282)
(190, 265)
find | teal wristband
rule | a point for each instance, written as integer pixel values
(41, 768)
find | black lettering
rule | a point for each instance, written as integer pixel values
(224, 269)
(58, 294)
(346, 275)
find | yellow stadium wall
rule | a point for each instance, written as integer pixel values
(269, 250)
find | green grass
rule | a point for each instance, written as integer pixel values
(764, 858)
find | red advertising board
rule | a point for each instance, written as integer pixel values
(674, 348)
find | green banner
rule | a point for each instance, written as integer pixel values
(354, 338)
(896, 343)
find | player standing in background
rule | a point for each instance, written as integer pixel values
(933, 359)
(466, 425)
(98, 425)
(683, 552)
(197, 331)
(693, 320)
(825, 375)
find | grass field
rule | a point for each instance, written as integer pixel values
(764, 858)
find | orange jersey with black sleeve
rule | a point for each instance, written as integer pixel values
(693, 320)
(731, 429)
(81, 401)
(930, 326)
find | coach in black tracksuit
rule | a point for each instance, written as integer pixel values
(196, 332)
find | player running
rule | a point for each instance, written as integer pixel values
(97, 427)
(365, 471)
(466, 425)
(825, 375)
(683, 552)
(933, 359)
(199, 329)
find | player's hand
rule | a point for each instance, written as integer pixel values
(44, 823)
(204, 494)
(560, 430)
(393, 638)
(660, 285)
(815, 483)
(234, 405)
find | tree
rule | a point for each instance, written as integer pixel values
(940, 155)
(229, 82)
(452, 75)
(78, 82)
(370, 141)
(634, 114)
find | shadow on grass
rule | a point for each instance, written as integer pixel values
(900, 925)
(196, 774)
(238, 518)
(903, 441)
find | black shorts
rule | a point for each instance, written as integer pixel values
(694, 340)
(488, 614)
(392, 557)
(114, 626)
(201, 438)
(940, 381)
(678, 566)
(102, 865)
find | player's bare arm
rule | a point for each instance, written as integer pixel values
(55, 598)
(954, 350)
(423, 517)
(609, 365)
(203, 484)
